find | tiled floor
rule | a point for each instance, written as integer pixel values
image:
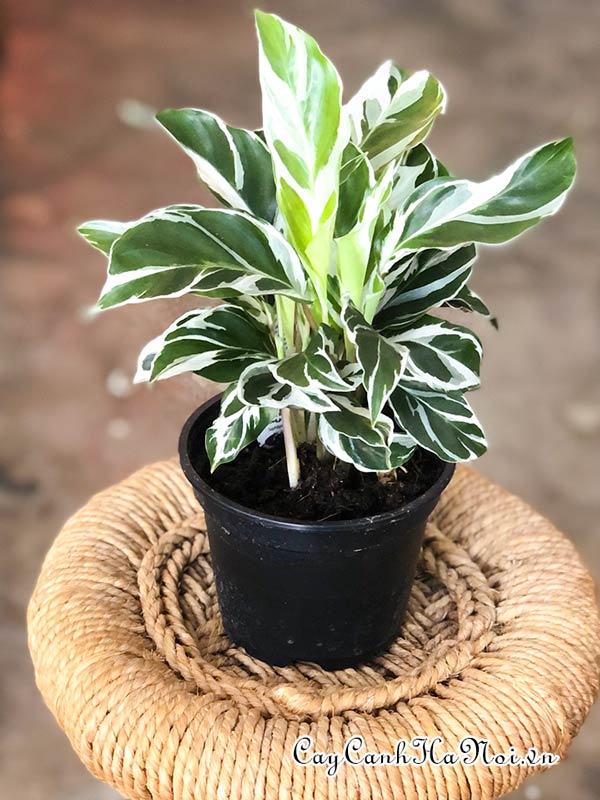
(79, 80)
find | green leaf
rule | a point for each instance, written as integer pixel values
(447, 212)
(441, 422)
(382, 361)
(443, 356)
(259, 385)
(313, 369)
(234, 163)
(306, 134)
(103, 233)
(216, 343)
(394, 111)
(348, 434)
(431, 279)
(468, 300)
(236, 427)
(219, 253)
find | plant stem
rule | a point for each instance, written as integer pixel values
(311, 428)
(291, 456)
(298, 425)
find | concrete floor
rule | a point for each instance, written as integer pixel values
(78, 83)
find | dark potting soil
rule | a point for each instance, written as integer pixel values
(328, 489)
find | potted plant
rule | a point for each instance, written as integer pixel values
(344, 410)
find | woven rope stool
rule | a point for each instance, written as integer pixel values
(501, 642)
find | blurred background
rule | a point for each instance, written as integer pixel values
(80, 84)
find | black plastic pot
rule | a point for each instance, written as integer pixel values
(334, 593)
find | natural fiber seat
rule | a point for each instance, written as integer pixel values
(501, 642)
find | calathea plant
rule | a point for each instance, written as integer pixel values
(342, 235)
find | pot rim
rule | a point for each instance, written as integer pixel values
(329, 526)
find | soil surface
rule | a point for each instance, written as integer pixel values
(328, 489)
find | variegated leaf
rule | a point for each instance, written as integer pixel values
(216, 343)
(442, 356)
(394, 111)
(419, 166)
(348, 434)
(259, 308)
(435, 277)
(356, 178)
(354, 248)
(468, 300)
(402, 446)
(259, 385)
(212, 252)
(313, 369)
(442, 422)
(103, 233)
(306, 134)
(236, 427)
(382, 360)
(234, 163)
(447, 212)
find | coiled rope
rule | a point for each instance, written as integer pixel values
(501, 641)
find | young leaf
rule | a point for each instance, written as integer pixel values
(306, 134)
(448, 212)
(347, 433)
(442, 356)
(234, 163)
(354, 248)
(214, 252)
(419, 166)
(216, 343)
(442, 422)
(356, 178)
(434, 277)
(382, 361)
(236, 427)
(394, 111)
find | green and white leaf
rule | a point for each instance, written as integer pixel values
(347, 433)
(354, 248)
(434, 277)
(216, 343)
(468, 300)
(382, 361)
(212, 252)
(258, 385)
(261, 310)
(441, 422)
(313, 369)
(236, 427)
(394, 111)
(103, 233)
(402, 446)
(419, 166)
(441, 355)
(306, 134)
(356, 178)
(447, 212)
(234, 163)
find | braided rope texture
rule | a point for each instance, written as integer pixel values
(501, 641)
